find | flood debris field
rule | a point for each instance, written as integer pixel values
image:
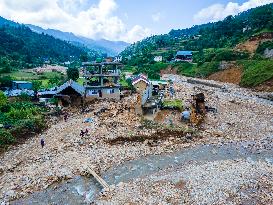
(117, 136)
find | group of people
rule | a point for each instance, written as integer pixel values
(82, 133)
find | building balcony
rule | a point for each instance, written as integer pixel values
(102, 75)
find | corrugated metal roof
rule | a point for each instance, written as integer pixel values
(77, 87)
(49, 92)
(140, 77)
(184, 53)
(20, 82)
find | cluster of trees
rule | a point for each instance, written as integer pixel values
(221, 54)
(23, 48)
(18, 119)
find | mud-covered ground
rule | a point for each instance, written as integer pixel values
(116, 135)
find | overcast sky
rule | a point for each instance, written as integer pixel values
(127, 20)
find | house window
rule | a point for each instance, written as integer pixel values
(111, 91)
(94, 92)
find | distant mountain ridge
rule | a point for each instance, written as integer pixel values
(112, 48)
(102, 45)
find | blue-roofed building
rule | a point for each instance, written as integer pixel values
(183, 56)
(21, 85)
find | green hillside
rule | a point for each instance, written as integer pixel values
(22, 48)
(211, 43)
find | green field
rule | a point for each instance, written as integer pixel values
(46, 78)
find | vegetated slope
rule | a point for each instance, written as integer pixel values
(21, 45)
(101, 46)
(212, 43)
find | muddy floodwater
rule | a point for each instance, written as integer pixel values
(81, 190)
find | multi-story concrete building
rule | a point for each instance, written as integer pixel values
(102, 80)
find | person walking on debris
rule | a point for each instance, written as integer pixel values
(86, 131)
(42, 143)
(65, 117)
(82, 133)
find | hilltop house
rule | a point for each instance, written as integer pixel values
(183, 56)
(158, 58)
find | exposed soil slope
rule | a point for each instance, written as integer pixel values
(266, 86)
(233, 75)
(252, 44)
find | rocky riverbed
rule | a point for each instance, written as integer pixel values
(241, 116)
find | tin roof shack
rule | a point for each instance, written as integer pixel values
(70, 94)
(184, 56)
(21, 85)
(101, 80)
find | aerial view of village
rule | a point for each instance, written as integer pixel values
(116, 102)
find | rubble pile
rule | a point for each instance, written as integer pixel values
(241, 115)
(28, 167)
(219, 182)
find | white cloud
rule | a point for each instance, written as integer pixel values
(77, 16)
(156, 17)
(137, 33)
(218, 12)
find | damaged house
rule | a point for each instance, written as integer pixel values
(70, 93)
(144, 89)
(102, 80)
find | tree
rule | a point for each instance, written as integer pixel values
(3, 99)
(37, 85)
(5, 66)
(84, 57)
(5, 81)
(73, 73)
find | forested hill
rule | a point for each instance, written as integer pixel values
(223, 34)
(100, 46)
(21, 47)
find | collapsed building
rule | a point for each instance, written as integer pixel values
(70, 93)
(150, 93)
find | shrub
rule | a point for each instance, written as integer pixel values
(6, 138)
(73, 73)
(230, 55)
(25, 127)
(175, 104)
(3, 99)
(261, 48)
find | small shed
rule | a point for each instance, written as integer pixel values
(70, 93)
(21, 85)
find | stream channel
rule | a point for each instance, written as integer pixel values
(82, 190)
